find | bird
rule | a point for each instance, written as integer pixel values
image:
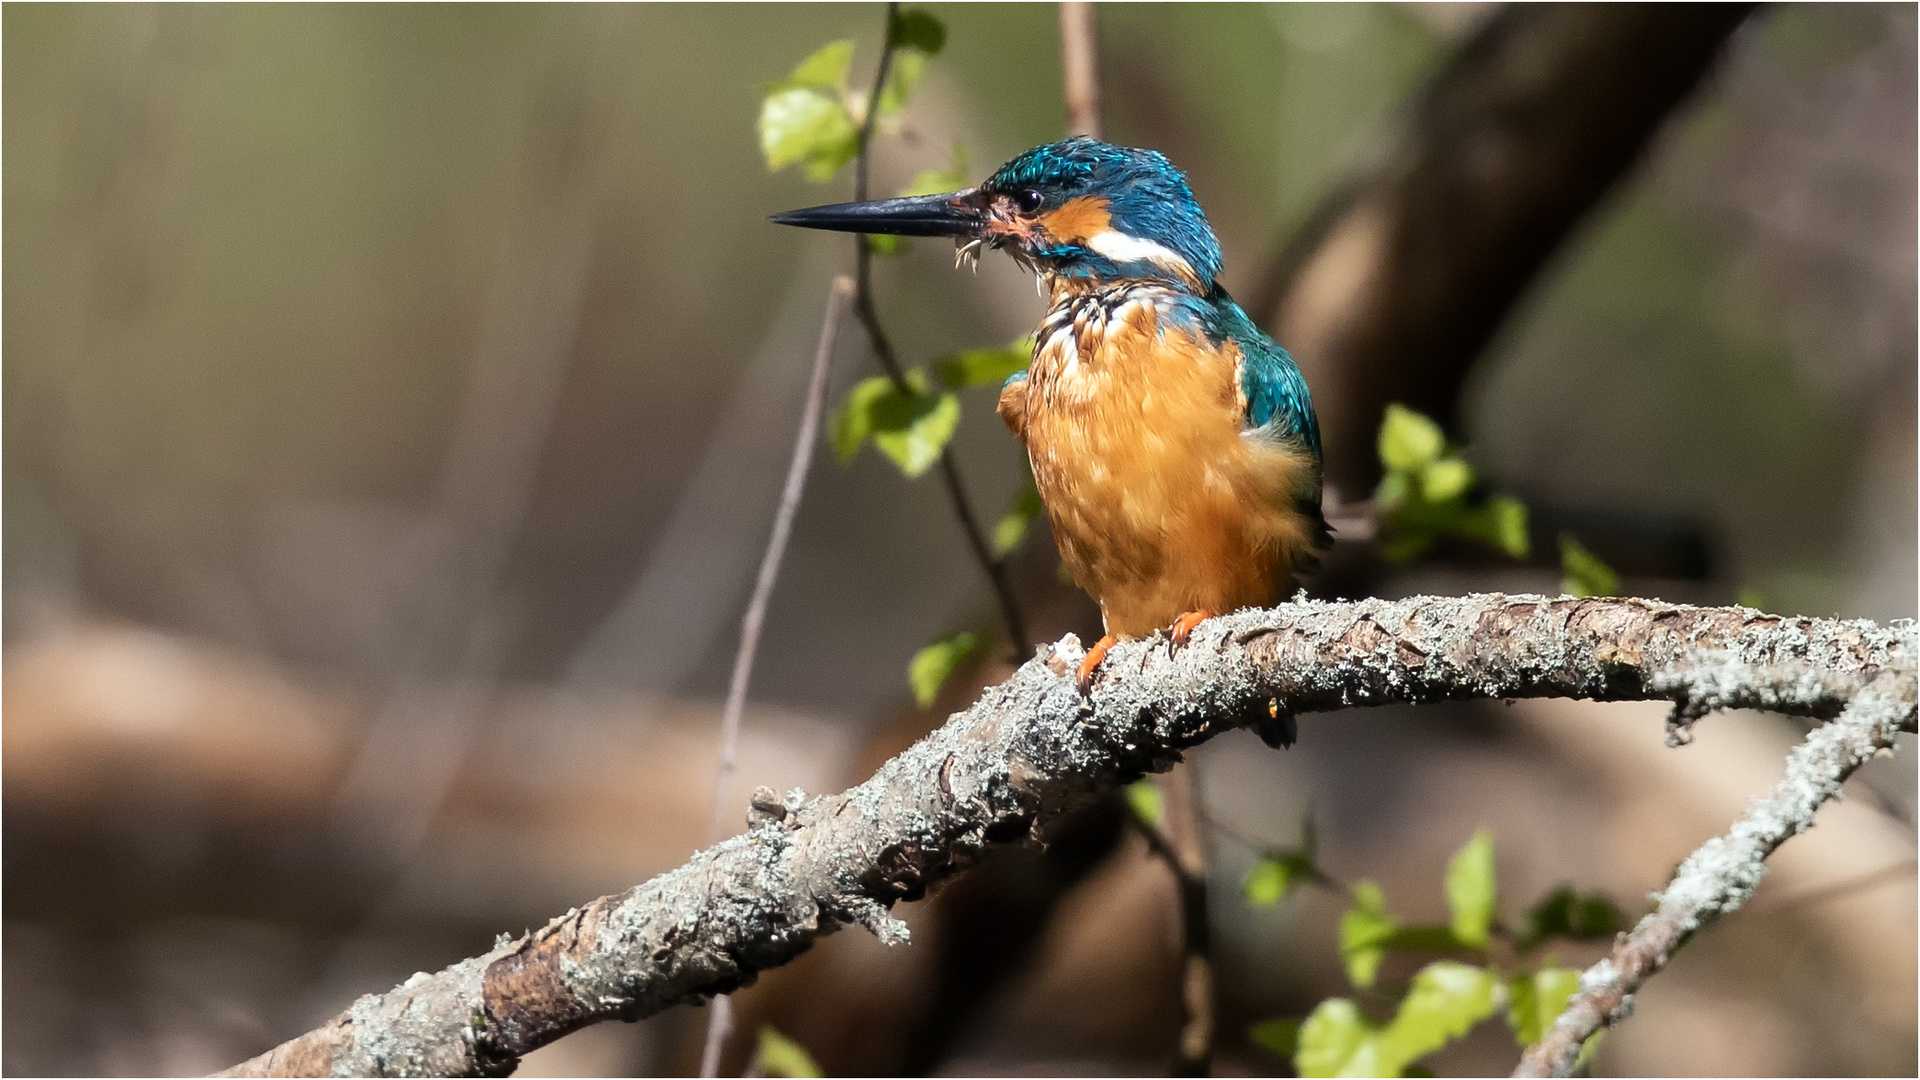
(1173, 443)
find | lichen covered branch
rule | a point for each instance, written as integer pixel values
(1032, 749)
(1722, 875)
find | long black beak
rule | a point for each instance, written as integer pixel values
(951, 214)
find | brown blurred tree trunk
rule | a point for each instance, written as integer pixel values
(1402, 277)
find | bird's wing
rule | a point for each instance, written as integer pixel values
(1278, 405)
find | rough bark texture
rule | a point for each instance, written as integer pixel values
(1401, 278)
(1032, 749)
(1722, 875)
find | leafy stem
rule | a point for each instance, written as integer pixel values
(994, 566)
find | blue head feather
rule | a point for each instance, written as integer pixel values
(1146, 199)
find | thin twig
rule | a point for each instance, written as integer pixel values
(1013, 622)
(720, 1018)
(1079, 63)
(1722, 874)
(1178, 843)
(1035, 748)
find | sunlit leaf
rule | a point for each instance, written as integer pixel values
(984, 367)
(781, 1056)
(914, 28)
(902, 77)
(931, 666)
(1585, 574)
(1282, 1037)
(1535, 999)
(938, 181)
(1147, 802)
(911, 427)
(1335, 1040)
(801, 125)
(1408, 440)
(1268, 882)
(886, 244)
(915, 434)
(1447, 478)
(1445, 1001)
(1365, 929)
(1501, 522)
(852, 421)
(1471, 891)
(826, 69)
(1012, 527)
(1587, 1050)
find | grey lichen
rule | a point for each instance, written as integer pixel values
(1722, 874)
(1032, 749)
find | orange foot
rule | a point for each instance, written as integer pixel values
(1084, 677)
(1182, 628)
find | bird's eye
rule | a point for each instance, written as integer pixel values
(1029, 200)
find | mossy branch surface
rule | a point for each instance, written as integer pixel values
(1033, 748)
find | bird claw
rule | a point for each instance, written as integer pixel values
(1182, 629)
(1090, 663)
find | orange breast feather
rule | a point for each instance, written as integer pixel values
(1158, 502)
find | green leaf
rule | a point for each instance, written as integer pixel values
(902, 77)
(1502, 522)
(1280, 1036)
(852, 421)
(1269, 881)
(1535, 999)
(1365, 929)
(885, 245)
(1445, 1001)
(1012, 527)
(1471, 891)
(1408, 440)
(1587, 1050)
(1335, 1040)
(803, 125)
(915, 29)
(984, 367)
(1445, 479)
(939, 181)
(1751, 597)
(1585, 574)
(910, 427)
(1147, 802)
(826, 69)
(781, 1056)
(932, 665)
(914, 436)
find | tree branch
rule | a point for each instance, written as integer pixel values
(1722, 874)
(720, 1020)
(995, 568)
(1032, 749)
(1400, 278)
(1080, 67)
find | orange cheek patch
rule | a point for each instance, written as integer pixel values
(1078, 219)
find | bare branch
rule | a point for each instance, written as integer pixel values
(1080, 64)
(1032, 749)
(1722, 874)
(720, 1021)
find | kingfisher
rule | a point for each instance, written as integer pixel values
(1173, 443)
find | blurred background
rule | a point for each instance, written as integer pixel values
(396, 400)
